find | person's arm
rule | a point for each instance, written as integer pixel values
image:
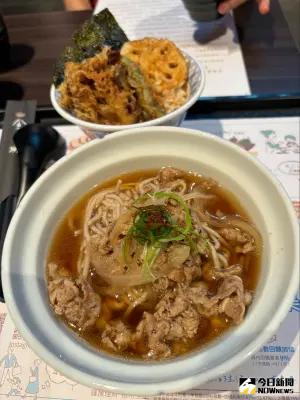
(228, 5)
(76, 5)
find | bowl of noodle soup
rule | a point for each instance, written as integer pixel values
(157, 261)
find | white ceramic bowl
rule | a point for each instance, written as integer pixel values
(32, 227)
(196, 82)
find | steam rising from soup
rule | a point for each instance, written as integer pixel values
(153, 264)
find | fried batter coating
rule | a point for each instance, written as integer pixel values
(163, 67)
(95, 91)
(146, 80)
(150, 107)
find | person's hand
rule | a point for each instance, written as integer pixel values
(227, 5)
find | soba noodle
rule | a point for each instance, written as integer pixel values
(161, 263)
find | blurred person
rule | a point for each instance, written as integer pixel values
(77, 5)
(224, 7)
(228, 5)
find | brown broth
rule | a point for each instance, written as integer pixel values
(65, 247)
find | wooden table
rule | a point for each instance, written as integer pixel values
(42, 38)
(271, 58)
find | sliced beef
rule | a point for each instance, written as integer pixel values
(192, 273)
(230, 299)
(243, 241)
(175, 319)
(235, 269)
(206, 305)
(161, 284)
(177, 275)
(74, 300)
(168, 174)
(154, 333)
(234, 298)
(185, 325)
(55, 272)
(185, 274)
(171, 305)
(181, 313)
(234, 308)
(210, 273)
(116, 336)
(230, 285)
(234, 235)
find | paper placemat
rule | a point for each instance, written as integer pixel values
(274, 141)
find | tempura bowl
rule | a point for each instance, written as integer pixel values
(174, 118)
(33, 225)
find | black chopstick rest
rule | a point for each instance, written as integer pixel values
(37, 145)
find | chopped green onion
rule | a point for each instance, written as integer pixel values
(151, 224)
(172, 239)
(153, 227)
(125, 248)
(150, 254)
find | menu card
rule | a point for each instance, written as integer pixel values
(213, 44)
(274, 141)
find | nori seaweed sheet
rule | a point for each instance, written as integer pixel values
(99, 31)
